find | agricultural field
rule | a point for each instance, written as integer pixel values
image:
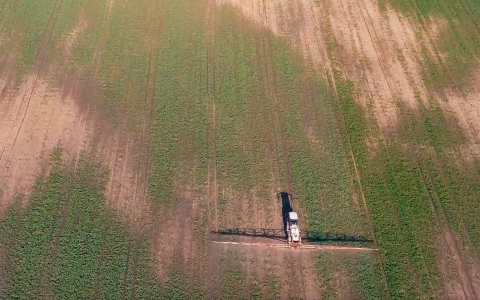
(132, 131)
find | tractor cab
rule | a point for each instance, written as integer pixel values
(293, 217)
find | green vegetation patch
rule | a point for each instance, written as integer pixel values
(320, 174)
(67, 245)
(180, 122)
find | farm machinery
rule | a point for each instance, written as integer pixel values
(293, 230)
(295, 239)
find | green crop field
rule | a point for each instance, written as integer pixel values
(133, 132)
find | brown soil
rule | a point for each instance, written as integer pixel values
(308, 262)
(386, 51)
(35, 119)
(379, 51)
(177, 234)
(460, 278)
(343, 285)
(466, 108)
(37, 116)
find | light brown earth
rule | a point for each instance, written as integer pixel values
(40, 114)
(36, 118)
(460, 279)
(466, 108)
(175, 235)
(381, 52)
(73, 37)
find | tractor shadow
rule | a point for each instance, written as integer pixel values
(285, 199)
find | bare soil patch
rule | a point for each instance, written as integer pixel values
(312, 284)
(296, 21)
(459, 278)
(36, 117)
(386, 48)
(379, 51)
(175, 235)
(465, 107)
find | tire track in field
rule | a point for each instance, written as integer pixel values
(117, 146)
(140, 194)
(148, 115)
(91, 82)
(272, 92)
(213, 186)
(260, 61)
(262, 66)
(262, 215)
(328, 69)
(39, 60)
(365, 17)
(394, 91)
(319, 34)
(211, 92)
(213, 267)
(453, 247)
(88, 129)
(370, 91)
(253, 265)
(306, 265)
(248, 207)
(97, 56)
